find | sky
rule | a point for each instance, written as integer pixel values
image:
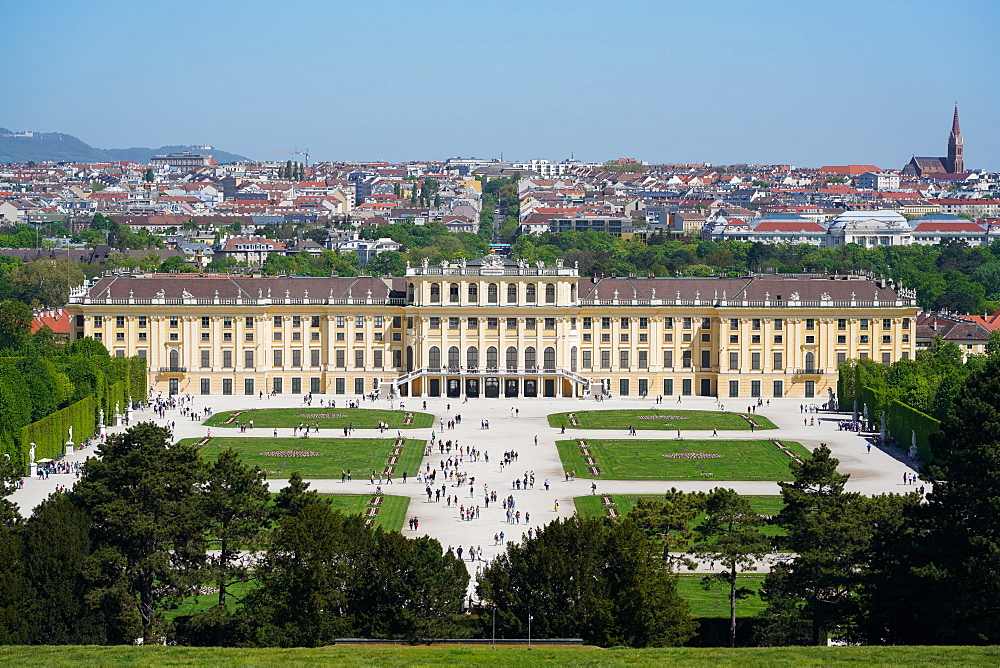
(807, 83)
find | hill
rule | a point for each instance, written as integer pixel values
(61, 147)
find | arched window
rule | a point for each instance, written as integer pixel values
(473, 293)
(435, 293)
(409, 293)
(550, 293)
(810, 361)
(492, 293)
(549, 359)
(434, 358)
(174, 359)
(453, 293)
(529, 293)
(512, 357)
(529, 358)
(572, 358)
(472, 357)
(453, 354)
(491, 357)
(511, 294)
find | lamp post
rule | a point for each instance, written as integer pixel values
(529, 627)
(494, 625)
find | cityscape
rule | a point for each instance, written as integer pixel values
(561, 334)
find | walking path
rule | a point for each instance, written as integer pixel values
(872, 472)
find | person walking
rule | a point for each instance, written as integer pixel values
(555, 506)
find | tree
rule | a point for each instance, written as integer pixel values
(176, 263)
(148, 176)
(957, 539)
(45, 282)
(144, 496)
(387, 263)
(828, 530)
(730, 534)
(15, 325)
(304, 578)
(587, 578)
(295, 496)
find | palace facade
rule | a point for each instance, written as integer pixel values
(497, 328)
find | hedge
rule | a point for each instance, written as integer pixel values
(50, 433)
(905, 420)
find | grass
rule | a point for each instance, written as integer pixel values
(763, 505)
(195, 604)
(667, 418)
(391, 514)
(714, 602)
(361, 418)
(359, 455)
(469, 656)
(635, 459)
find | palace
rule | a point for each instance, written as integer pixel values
(497, 328)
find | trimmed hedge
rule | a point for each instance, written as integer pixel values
(905, 420)
(50, 433)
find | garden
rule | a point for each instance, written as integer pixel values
(680, 459)
(326, 418)
(319, 457)
(659, 417)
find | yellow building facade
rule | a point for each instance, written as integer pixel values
(495, 328)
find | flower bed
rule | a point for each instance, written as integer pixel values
(319, 416)
(291, 453)
(661, 417)
(692, 455)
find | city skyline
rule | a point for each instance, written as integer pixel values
(773, 84)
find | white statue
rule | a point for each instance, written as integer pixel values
(31, 453)
(71, 433)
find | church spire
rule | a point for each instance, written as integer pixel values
(956, 147)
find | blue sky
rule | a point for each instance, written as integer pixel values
(806, 82)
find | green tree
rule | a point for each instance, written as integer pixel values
(15, 325)
(148, 176)
(388, 263)
(828, 531)
(730, 534)
(304, 578)
(145, 498)
(295, 496)
(45, 282)
(958, 573)
(176, 263)
(587, 578)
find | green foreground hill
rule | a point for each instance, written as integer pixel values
(468, 656)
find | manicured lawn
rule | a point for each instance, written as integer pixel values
(665, 418)
(593, 506)
(391, 514)
(714, 602)
(359, 455)
(468, 656)
(361, 418)
(202, 602)
(636, 459)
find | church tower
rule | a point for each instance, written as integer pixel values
(956, 161)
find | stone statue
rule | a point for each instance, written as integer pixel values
(424, 262)
(652, 293)
(794, 296)
(161, 294)
(70, 433)
(187, 295)
(31, 453)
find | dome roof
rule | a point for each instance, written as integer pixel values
(881, 219)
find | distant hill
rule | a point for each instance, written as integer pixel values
(59, 147)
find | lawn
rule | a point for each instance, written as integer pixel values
(714, 602)
(361, 418)
(391, 514)
(592, 506)
(359, 455)
(469, 656)
(657, 418)
(714, 459)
